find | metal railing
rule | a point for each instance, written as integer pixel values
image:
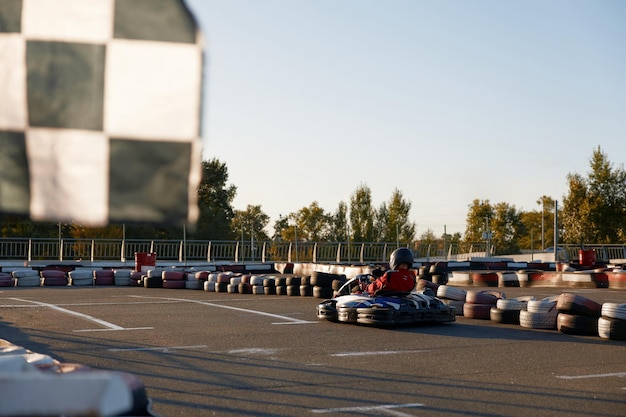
(30, 249)
(70, 249)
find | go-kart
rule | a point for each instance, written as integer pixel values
(352, 304)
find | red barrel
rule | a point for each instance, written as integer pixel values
(587, 257)
(144, 259)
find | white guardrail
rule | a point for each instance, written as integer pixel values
(38, 249)
(122, 250)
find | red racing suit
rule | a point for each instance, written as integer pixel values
(402, 280)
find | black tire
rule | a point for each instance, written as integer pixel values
(153, 282)
(280, 281)
(577, 324)
(322, 292)
(293, 290)
(269, 282)
(221, 287)
(306, 290)
(293, 281)
(306, 280)
(578, 305)
(281, 290)
(269, 290)
(504, 316)
(322, 279)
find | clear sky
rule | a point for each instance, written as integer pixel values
(446, 100)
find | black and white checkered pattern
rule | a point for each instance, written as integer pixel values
(100, 105)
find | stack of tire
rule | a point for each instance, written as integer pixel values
(325, 284)
(211, 280)
(438, 273)
(122, 277)
(256, 282)
(103, 277)
(173, 279)
(269, 285)
(153, 279)
(245, 287)
(577, 315)
(6, 280)
(53, 277)
(507, 311)
(194, 280)
(280, 285)
(136, 279)
(222, 281)
(26, 277)
(612, 323)
(540, 314)
(233, 284)
(478, 304)
(81, 277)
(452, 297)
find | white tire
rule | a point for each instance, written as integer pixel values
(546, 305)
(451, 293)
(614, 311)
(536, 320)
(209, 286)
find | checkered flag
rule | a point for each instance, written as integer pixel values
(100, 106)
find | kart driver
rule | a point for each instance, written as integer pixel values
(400, 278)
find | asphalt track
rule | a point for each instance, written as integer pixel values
(203, 354)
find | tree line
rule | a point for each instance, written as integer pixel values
(593, 211)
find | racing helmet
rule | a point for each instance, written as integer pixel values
(401, 256)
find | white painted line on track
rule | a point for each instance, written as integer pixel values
(378, 409)
(618, 374)
(287, 320)
(106, 324)
(164, 348)
(376, 353)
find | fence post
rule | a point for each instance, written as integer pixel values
(93, 250)
(208, 252)
(315, 252)
(263, 252)
(338, 260)
(237, 252)
(180, 251)
(289, 253)
(30, 250)
(361, 254)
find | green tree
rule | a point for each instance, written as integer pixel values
(313, 223)
(251, 222)
(594, 210)
(398, 226)
(215, 199)
(339, 224)
(506, 226)
(476, 221)
(362, 215)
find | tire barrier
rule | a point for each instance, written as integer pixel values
(484, 278)
(577, 324)
(26, 277)
(122, 277)
(103, 277)
(613, 311)
(80, 277)
(478, 304)
(507, 311)
(578, 305)
(53, 277)
(613, 329)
